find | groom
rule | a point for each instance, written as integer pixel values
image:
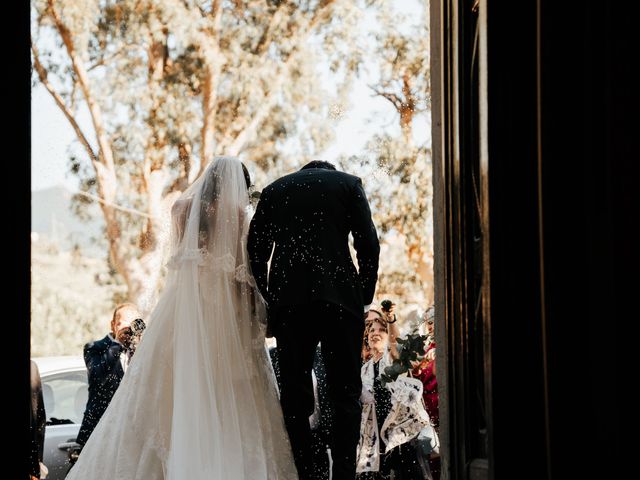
(315, 295)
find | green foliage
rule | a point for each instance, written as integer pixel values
(278, 69)
(397, 165)
(152, 66)
(410, 349)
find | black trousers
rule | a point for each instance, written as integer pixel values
(403, 462)
(298, 330)
(320, 456)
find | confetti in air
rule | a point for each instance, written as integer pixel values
(336, 112)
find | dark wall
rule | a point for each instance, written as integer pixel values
(588, 132)
(515, 319)
(562, 143)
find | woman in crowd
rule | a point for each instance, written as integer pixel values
(426, 373)
(426, 370)
(392, 414)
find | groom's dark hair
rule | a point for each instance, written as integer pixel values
(319, 164)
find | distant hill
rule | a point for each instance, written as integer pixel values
(52, 218)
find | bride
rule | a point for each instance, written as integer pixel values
(199, 399)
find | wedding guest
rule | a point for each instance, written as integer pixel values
(426, 370)
(107, 361)
(426, 373)
(396, 406)
(38, 424)
(428, 318)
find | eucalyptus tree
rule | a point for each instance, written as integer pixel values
(168, 84)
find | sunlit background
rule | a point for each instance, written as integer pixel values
(278, 83)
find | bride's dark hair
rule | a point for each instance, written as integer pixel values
(247, 177)
(209, 198)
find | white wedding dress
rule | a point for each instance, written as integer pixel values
(199, 399)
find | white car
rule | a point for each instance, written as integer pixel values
(65, 391)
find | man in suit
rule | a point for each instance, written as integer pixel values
(107, 360)
(315, 294)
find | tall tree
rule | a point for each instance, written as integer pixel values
(167, 84)
(400, 171)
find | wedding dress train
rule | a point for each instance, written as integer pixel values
(199, 399)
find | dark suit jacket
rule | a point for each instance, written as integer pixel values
(308, 215)
(105, 372)
(38, 419)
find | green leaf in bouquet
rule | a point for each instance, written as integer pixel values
(410, 349)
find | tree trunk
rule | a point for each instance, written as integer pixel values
(209, 100)
(424, 268)
(407, 109)
(107, 183)
(298, 35)
(155, 234)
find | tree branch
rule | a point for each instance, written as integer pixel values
(392, 97)
(212, 64)
(103, 163)
(153, 176)
(105, 60)
(42, 74)
(83, 80)
(266, 38)
(215, 8)
(251, 128)
(131, 211)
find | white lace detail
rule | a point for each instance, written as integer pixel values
(202, 257)
(243, 275)
(199, 255)
(225, 263)
(404, 421)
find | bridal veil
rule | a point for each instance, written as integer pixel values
(199, 399)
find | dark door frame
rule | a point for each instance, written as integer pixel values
(488, 292)
(534, 127)
(460, 244)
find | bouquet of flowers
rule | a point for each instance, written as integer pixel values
(410, 351)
